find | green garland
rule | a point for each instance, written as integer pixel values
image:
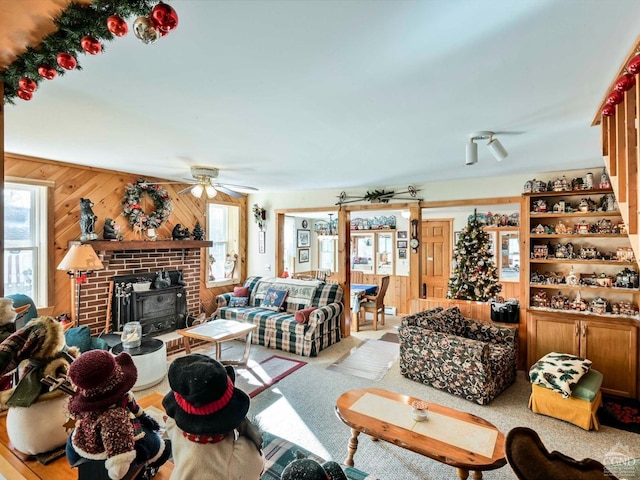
(73, 23)
(133, 209)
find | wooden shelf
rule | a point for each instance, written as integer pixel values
(586, 314)
(107, 246)
(593, 191)
(574, 214)
(571, 236)
(581, 261)
(564, 286)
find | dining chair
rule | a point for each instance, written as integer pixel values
(322, 275)
(375, 303)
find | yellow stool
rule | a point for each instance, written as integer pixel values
(580, 409)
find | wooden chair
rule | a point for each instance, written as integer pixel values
(375, 303)
(322, 275)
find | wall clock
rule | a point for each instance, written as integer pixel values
(414, 243)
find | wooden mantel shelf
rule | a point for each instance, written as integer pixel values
(108, 246)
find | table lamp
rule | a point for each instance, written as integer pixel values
(79, 261)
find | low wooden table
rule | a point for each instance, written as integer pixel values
(19, 466)
(449, 436)
(219, 331)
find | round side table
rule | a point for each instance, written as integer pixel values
(150, 358)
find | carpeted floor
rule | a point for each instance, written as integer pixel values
(301, 408)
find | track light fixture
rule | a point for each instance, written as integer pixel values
(494, 146)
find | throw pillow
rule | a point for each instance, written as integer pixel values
(559, 372)
(238, 301)
(274, 299)
(302, 316)
(241, 291)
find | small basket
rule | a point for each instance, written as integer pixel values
(141, 286)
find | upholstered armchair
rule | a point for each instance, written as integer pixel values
(469, 358)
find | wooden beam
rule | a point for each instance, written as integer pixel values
(621, 157)
(2, 188)
(631, 140)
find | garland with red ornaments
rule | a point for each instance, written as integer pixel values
(622, 84)
(83, 29)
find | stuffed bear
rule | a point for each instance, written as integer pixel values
(308, 469)
(36, 416)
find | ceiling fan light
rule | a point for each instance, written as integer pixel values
(211, 191)
(197, 190)
(496, 148)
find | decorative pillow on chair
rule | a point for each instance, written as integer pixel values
(302, 316)
(241, 291)
(238, 301)
(274, 299)
(559, 372)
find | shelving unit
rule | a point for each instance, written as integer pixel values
(561, 271)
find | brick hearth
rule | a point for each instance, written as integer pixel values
(143, 259)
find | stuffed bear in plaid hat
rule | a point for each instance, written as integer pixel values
(308, 469)
(211, 436)
(110, 425)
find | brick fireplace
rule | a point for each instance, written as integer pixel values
(139, 257)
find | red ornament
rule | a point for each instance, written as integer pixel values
(164, 17)
(625, 82)
(28, 85)
(66, 61)
(91, 45)
(24, 95)
(608, 111)
(117, 25)
(634, 65)
(45, 71)
(615, 98)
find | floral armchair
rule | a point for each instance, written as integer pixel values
(473, 359)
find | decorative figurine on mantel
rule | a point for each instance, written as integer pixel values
(109, 232)
(180, 233)
(198, 232)
(87, 220)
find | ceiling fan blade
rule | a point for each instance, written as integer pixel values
(227, 191)
(185, 190)
(236, 187)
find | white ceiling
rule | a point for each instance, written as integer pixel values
(298, 95)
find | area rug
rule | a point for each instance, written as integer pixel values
(620, 413)
(371, 359)
(390, 337)
(257, 377)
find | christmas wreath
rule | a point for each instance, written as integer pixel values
(133, 193)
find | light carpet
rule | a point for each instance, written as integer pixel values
(258, 376)
(371, 360)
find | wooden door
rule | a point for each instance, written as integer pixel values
(549, 333)
(613, 350)
(436, 257)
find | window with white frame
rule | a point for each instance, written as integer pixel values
(25, 241)
(224, 231)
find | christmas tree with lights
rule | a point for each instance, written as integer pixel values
(474, 273)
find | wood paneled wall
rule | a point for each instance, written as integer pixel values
(397, 294)
(105, 188)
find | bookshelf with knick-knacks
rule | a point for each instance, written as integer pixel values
(583, 283)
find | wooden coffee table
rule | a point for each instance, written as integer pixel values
(456, 438)
(219, 331)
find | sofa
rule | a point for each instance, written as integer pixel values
(469, 358)
(313, 331)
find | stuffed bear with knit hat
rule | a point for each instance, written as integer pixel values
(309, 469)
(36, 416)
(211, 436)
(110, 425)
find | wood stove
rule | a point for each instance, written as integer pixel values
(160, 309)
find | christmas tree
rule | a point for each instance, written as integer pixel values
(474, 272)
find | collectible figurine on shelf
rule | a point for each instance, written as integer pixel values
(604, 184)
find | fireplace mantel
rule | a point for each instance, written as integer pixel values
(109, 246)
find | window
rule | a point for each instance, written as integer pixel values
(224, 231)
(25, 241)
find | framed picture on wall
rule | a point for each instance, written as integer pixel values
(304, 238)
(303, 255)
(402, 234)
(261, 242)
(402, 253)
(401, 243)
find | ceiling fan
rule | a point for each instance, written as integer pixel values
(204, 181)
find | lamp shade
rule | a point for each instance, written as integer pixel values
(80, 258)
(197, 190)
(472, 153)
(211, 191)
(496, 148)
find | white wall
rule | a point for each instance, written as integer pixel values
(507, 186)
